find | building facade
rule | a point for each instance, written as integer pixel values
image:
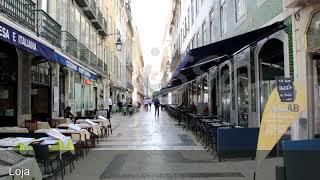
(138, 67)
(237, 88)
(60, 53)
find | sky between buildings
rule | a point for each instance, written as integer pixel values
(151, 17)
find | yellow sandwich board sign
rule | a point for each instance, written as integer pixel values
(284, 106)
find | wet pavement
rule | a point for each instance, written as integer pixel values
(143, 146)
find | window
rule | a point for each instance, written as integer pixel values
(240, 9)
(192, 12)
(211, 28)
(223, 16)
(197, 6)
(198, 39)
(44, 5)
(204, 33)
(188, 19)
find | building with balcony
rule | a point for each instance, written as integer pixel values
(69, 48)
(138, 68)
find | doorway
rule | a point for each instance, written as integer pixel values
(243, 96)
(8, 85)
(41, 90)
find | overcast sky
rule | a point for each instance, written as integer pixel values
(151, 17)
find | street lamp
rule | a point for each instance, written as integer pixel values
(119, 44)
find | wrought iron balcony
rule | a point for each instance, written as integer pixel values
(104, 30)
(84, 53)
(98, 21)
(82, 3)
(100, 64)
(129, 66)
(105, 69)
(91, 10)
(93, 60)
(48, 28)
(21, 11)
(71, 43)
(130, 86)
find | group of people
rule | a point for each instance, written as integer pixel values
(147, 102)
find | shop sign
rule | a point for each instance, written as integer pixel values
(20, 40)
(285, 89)
(284, 106)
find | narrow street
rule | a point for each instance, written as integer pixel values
(145, 147)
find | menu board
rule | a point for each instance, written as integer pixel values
(285, 89)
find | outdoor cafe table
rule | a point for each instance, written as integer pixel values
(95, 127)
(19, 144)
(13, 130)
(43, 125)
(11, 160)
(103, 123)
(83, 133)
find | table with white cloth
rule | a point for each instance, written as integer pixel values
(43, 125)
(83, 133)
(103, 123)
(10, 160)
(13, 130)
(94, 127)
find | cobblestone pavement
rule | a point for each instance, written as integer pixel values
(145, 147)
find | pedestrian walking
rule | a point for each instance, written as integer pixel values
(109, 102)
(156, 103)
(150, 103)
(119, 106)
(145, 103)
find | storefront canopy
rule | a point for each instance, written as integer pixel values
(22, 41)
(199, 60)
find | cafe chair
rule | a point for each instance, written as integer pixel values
(42, 155)
(31, 125)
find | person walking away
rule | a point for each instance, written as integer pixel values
(145, 103)
(150, 103)
(120, 106)
(124, 106)
(156, 103)
(109, 101)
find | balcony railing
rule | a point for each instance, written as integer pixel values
(84, 53)
(91, 10)
(129, 85)
(93, 60)
(100, 64)
(48, 28)
(105, 69)
(21, 11)
(98, 21)
(71, 44)
(129, 65)
(82, 3)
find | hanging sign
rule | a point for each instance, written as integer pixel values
(284, 106)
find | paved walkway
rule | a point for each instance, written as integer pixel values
(145, 147)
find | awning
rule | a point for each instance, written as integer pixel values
(22, 41)
(58, 58)
(199, 60)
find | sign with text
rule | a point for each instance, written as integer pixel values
(285, 89)
(278, 116)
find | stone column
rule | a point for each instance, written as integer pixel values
(24, 87)
(55, 87)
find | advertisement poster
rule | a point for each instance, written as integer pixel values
(281, 110)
